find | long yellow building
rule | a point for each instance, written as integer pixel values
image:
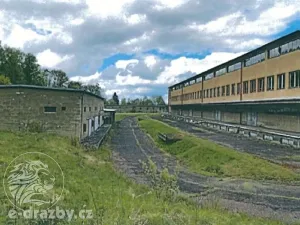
(259, 88)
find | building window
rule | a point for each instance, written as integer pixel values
(207, 94)
(49, 109)
(281, 81)
(274, 52)
(245, 87)
(218, 91)
(252, 86)
(209, 76)
(234, 67)
(294, 79)
(227, 90)
(90, 109)
(210, 92)
(93, 123)
(261, 84)
(84, 109)
(232, 89)
(255, 59)
(270, 83)
(214, 92)
(84, 127)
(221, 71)
(223, 90)
(63, 108)
(201, 94)
(95, 108)
(238, 88)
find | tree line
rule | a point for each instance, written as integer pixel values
(17, 67)
(145, 101)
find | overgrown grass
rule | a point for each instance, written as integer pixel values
(92, 182)
(120, 116)
(205, 157)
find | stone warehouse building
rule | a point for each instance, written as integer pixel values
(259, 88)
(67, 112)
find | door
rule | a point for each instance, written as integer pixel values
(90, 127)
(96, 122)
(218, 115)
(252, 118)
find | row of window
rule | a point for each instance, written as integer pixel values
(283, 49)
(255, 85)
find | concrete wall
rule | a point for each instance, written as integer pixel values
(230, 117)
(92, 109)
(282, 122)
(20, 108)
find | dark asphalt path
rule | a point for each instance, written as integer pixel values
(265, 199)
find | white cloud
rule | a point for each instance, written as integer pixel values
(150, 61)
(130, 80)
(87, 79)
(106, 9)
(184, 65)
(251, 44)
(135, 19)
(269, 21)
(51, 59)
(123, 64)
(19, 36)
(162, 4)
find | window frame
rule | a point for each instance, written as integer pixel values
(259, 89)
(282, 86)
(273, 83)
(245, 87)
(253, 86)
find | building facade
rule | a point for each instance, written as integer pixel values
(259, 88)
(67, 112)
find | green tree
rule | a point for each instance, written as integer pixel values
(33, 75)
(4, 80)
(75, 85)
(158, 100)
(115, 98)
(95, 89)
(59, 78)
(123, 101)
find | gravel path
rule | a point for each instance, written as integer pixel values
(265, 199)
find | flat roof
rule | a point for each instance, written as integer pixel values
(50, 89)
(268, 46)
(109, 110)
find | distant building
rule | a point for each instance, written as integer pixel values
(259, 88)
(68, 112)
(138, 108)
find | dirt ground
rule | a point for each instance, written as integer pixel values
(131, 146)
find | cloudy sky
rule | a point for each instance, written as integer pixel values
(140, 47)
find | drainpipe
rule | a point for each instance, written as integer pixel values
(241, 89)
(81, 119)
